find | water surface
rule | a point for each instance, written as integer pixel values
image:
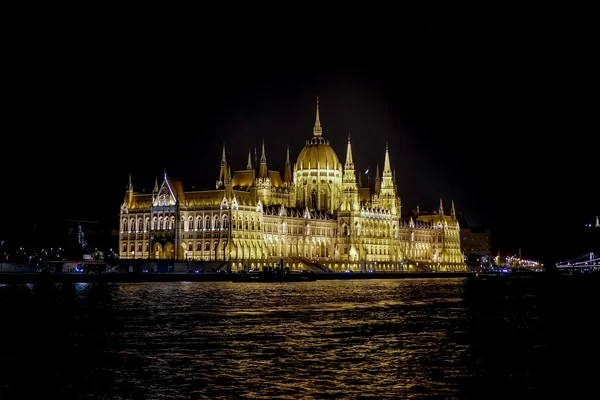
(368, 339)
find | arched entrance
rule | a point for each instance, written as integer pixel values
(157, 250)
(183, 251)
(169, 251)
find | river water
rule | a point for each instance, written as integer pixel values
(368, 339)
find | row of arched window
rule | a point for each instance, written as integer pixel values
(190, 247)
(205, 223)
(168, 223)
(139, 225)
(132, 247)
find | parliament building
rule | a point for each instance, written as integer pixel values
(317, 216)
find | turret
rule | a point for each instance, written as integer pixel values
(129, 196)
(377, 181)
(349, 185)
(249, 165)
(263, 182)
(287, 174)
(387, 192)
(263, 172)
(228, 185)
(223, 174)
(349, 165)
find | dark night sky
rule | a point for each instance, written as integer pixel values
(497, 116)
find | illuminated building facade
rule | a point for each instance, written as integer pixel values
(317, 216)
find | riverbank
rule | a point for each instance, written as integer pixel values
(67, 277)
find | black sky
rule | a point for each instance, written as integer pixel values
(497, 115)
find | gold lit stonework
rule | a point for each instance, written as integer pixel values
(318, 217)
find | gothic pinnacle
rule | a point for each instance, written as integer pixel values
(317, 130)
(249, 166)
(263, 157)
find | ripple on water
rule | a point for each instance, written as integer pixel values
(325, 339)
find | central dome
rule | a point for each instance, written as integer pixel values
(317, 154)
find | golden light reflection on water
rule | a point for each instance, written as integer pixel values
(335, 339)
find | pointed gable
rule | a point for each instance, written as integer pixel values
(165, 195)
(224, 203)
(306, 213)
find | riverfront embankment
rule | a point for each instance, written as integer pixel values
(108, 277)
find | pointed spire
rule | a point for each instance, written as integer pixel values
(223, 176)
(441, 210)
(452, 210)
(263, 172)
(223, 159)
(287, 173)
(155, 184)
(349, 161)
(387, 170)
(263, 156)
(229, 173)
(249, 166)
(597, 222)
(130, 184)
(317, 130)
(165, 173)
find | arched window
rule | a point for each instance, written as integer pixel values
(207, 246)
(124, 225)
(199, 246)
(139, 247)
